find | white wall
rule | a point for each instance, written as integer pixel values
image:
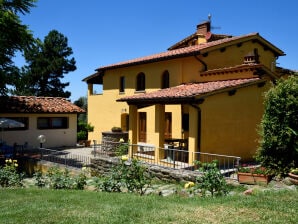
(54, 137)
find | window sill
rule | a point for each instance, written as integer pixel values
(140, 91)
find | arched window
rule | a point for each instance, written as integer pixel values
(165, 80)
(140, 82)
(122, 84)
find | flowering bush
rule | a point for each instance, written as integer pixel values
(189, 184)
(124, 158)
(9, 176)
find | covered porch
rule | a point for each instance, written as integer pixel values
(161, 148)
(190, 97)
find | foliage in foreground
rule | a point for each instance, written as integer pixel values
(9, 176)
(56, 178)
(211, 181)
(279, 128)
(130, 176)
(122, 149)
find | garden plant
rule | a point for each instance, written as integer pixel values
(211, 180)
(278, 150)
(127, 175)
(9, 175)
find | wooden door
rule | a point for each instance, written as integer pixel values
(142, 126)
(168, 125)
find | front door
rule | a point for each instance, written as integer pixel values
(142, 126)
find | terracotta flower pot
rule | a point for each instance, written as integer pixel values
(250, 178)
(293, 178)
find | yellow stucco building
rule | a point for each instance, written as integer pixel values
(206, 92)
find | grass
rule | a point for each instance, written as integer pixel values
(33, 205)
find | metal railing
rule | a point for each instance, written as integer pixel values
(226, 164)
(105, 148)
(179, 158)
(176, 158)
(62, 157)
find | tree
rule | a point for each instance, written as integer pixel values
(82, 103)
(83, 127)
(279, 128)
(14, 36)
(48, 61)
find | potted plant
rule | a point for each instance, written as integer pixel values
(293, 176)
(116, 129)
(253, 175)
(82, 135)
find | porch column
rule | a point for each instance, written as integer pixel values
(90, 89)
(159, 135)
(193, 134)
(133, 129)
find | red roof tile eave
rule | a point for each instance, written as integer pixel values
(194, 97)
(38, 105)
(163, 57)
(192, 50)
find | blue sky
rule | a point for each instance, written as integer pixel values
(103, 32)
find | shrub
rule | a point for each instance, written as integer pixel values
(56, 178)
(9, 176)
(127, 176)
(59, 179)
(83, 129)
(136, 178)
(40, 179)
(211, 180)
(122, 149)
(82, 135)
(278, 150)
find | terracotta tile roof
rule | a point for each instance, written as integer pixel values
(32, 104)
(187, 51)
(189, 91)
(196, 35)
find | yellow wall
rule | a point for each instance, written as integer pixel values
(54, 137)
(234, 55)
(103, 110)
(226, 128)
(229, 129)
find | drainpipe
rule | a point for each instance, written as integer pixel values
(202, 62)
(199, 126)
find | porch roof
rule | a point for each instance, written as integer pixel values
(188, 92)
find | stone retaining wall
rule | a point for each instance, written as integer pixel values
(103, 165)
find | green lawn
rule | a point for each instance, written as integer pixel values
(63, 206)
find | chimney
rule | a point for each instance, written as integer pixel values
(203, 28)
